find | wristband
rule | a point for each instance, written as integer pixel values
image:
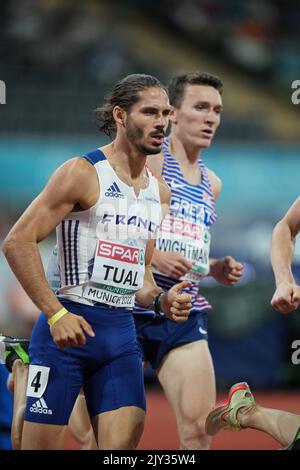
(156, 304)
(57, 316)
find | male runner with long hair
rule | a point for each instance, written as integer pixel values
(106, 207)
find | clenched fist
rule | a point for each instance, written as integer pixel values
(286, 298)
(226, 270)
(175, 304)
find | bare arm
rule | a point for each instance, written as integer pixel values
(287, 295)
(73, 183)
(283, 244)
(20, 247)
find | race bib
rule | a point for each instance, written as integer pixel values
(191, 240)
(201, 265)
(118, 273)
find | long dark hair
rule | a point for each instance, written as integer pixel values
(123, 94)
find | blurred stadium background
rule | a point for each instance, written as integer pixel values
(58, 58)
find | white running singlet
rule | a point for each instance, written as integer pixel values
(101, 250)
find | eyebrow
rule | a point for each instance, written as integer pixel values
(206, 103)
(154, 109)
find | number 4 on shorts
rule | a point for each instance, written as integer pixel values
(37, 380)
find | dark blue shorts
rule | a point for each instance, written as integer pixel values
(157, 336)
(108, 367)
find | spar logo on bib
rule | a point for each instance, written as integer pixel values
(122, 253)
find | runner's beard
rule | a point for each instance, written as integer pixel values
(136, 135)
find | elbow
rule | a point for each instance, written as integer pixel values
(9, 244)
(285, 230)
(283, 227)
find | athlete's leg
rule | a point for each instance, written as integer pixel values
(55, 377)
(119, 429)
(115, 399)
(51, 395)
(187, 377)
(15, 354)
(281, 425)
(38, 436)
(80, 425)
(19, 377)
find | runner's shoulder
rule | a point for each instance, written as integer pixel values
(77, 178)
(76, 166)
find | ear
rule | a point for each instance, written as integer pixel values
(119, 115)
(173, 115)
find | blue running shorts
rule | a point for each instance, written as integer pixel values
(158, 335)
(108, 367)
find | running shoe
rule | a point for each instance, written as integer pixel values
(13, 348)
(224, 415)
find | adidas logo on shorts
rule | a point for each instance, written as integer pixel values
(40, 407)
(114, 191)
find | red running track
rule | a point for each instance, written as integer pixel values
(160, 428)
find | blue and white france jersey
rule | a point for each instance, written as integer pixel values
(186, 228)
(101, 251)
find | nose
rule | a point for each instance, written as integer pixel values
(161, 122)
(159, 125)
(211, 117)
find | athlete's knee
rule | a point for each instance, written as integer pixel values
(130, 442)
(123, 443)
(123, 440)
(88, 441)
(193, 435)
